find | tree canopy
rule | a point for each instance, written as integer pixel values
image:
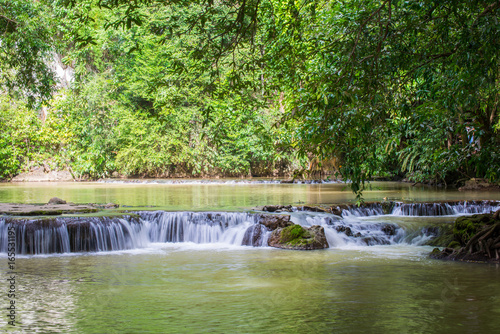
(386, 88)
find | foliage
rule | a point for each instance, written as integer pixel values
(26, 33)
(27, 141)
(398, 88)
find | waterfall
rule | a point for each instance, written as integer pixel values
(140, 229)
(95, 234)
(374, 209)
(351, 230)
(445, 208)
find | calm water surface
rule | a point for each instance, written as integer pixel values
(214, 288)
(222, 196)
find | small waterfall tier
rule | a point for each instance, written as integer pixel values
(95, 234)
(445, 208)
(450, 208)
(351, 226)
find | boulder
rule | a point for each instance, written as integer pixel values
(297, 237)
(272, 222)
(56, 200)
(277, 208)
(344, 229)
(312, 209)
(389, 229)
(254, 235)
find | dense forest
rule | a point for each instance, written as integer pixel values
(174, 88)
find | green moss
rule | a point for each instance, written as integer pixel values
(466, 227)
(435, 252)
(454, 244)
(292, 232)
(444, 235)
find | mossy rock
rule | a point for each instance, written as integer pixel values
(299, 238)
(293, 234)
(444, 235)
(466, 227)
(454, 244)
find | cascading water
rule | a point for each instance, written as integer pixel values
(420, 209)
(62, 235)
(351, 230)
(357, 226)
(444, 209)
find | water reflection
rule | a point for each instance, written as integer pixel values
(257, 291)
(223, 196)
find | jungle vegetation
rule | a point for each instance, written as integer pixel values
(252, 87)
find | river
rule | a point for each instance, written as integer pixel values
(222, 287)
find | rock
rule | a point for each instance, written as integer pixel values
(56, 200)
(373, 240)
(272, 222)
(311, 209)
(467, 226)
(111, 206)
(254, 235)
(337, 210)
(442, 235)
(297, 237)
(345, 229)
(477, 239)
(387, 206)
(13, 209)
(277, 208)
(389, 229)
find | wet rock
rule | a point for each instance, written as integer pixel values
(12, 209)
(331, 220)
(344, 229)
(297, 237)
(389, 229)
(442, 234)
(371, 241)
(254, 235)
(56, 200)
(387, 206)
(467, 226)
(477, 239)
(311, 209)
(277, 208)
(272, 222)
(337, 210)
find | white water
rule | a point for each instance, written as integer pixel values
(358, 227)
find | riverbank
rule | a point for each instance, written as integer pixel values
(476, 238)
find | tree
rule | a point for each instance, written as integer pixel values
(26, 39)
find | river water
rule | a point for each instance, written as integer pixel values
(222, 287)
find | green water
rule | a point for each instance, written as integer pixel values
(186, 288)
(175, 290)
(222, 196)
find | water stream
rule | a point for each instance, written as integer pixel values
(205, 266)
